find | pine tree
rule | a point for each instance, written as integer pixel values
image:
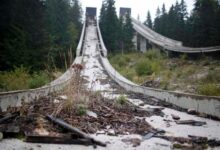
(158, 12)
(128, 33)
(204, 22)
(183, 10)
(109, 25)
(148, 22)
(164, 9)
(76, 14)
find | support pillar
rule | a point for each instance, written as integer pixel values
(135, 42)
(143, 44)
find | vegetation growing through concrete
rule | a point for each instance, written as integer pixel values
(155, 69)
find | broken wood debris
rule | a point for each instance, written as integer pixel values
(191, 122)
(58, 139)
(192, 139)
(198, 139)
(64, 125)
(153, 133)
(8, 117)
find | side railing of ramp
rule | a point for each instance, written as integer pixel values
(167, 43)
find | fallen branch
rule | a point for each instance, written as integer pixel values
(8, 117)
(191, 122)
(56, 140)
(81, 134)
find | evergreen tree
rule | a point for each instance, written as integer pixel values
(34, 31)
(76, 14)
(204, 20)
(157, 20)
(148, 22)
(121, 34)
(128, 33)
(164, 9)
(200, 29)
(183, 10)
(158, 12)
(109, 25)
(22, 30)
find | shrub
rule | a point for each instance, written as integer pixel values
(15, 80)
(38, 80)
(183, 57)
(122, 99)
(153, 54)
(143, 67)
(81, 109)
(20, 78)
(122, 61)
(209, 89)
(211, 77)
(155, 66)
(130, 74)
(164, 85)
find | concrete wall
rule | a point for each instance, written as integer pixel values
(15, 98)
(203, 104)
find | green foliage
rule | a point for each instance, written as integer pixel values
(148, 21)
(211, 77)
(209, 89)
(153, 54)
(200, 29)
(38, 80)
(81, 109)
(109, 24)
(143, 67)
(170, 74)
(20, 79)
(128, 33)
(122, 99)
(117, 33)
(34, 32)
(15, 80)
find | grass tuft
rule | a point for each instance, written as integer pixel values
(122, 99)
(209, 89)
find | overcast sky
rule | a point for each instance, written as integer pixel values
(137, 6)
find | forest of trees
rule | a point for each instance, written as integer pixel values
(198, 29)
(117, 32)
(38, 32)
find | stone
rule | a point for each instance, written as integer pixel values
(111, 132)
(141, 104)
(175, 117)
(100, 132)
(191, 111)
(63, 97)
(56, 101)
(91, 114)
